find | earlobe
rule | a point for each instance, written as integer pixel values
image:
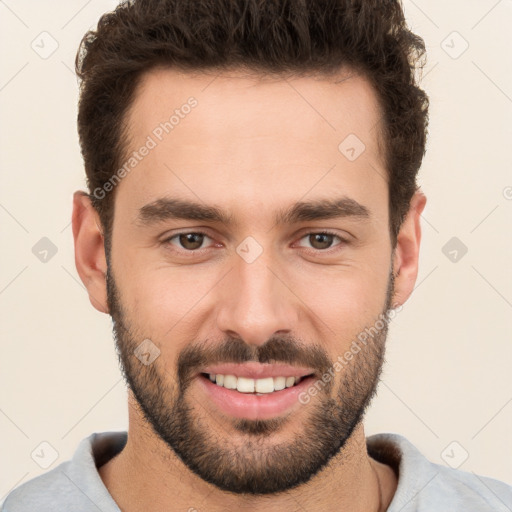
(90, 257)
(406, 254)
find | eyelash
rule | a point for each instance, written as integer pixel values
(193, 252)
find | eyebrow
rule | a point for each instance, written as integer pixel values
(164, 209)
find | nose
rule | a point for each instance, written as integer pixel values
(255, 301)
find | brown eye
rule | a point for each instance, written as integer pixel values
(322, 241)
(188, 241)
(191, 241)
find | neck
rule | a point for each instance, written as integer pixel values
(147, 475)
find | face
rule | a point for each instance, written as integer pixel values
(281, 263)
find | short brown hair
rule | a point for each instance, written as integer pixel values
(289, 37)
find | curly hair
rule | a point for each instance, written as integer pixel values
(283, 37)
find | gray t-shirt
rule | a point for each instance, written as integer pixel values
(76, 485)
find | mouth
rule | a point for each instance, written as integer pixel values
(258, 387)
(254, 398)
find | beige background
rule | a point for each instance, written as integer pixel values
(449, 353)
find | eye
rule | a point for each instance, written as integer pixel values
(322, 241)
(190, 241)
(193, 241)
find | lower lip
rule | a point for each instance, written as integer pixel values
(251, 406)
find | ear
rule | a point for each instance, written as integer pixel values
(406, 253)
(90, 257)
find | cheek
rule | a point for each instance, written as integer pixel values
(345, 300)
(165, 301)
(350, 301)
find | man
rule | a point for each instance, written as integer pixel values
(252, 223)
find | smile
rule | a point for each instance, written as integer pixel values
(257, 386)
(255, 399)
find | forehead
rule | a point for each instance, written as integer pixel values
(306, 106)
(258, 136)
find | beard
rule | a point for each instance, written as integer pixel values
(256, 465)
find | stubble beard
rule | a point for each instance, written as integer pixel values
(255, 465)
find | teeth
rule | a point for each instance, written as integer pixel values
(245, 385)
(290, 381)
(260, 386)
(279, 383)
(230, 382)
(264, 385)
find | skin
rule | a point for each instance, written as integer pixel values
(251, 147)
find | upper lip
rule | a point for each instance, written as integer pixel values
(254, 370)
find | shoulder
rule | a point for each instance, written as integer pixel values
(423, 485)
(72, 485)
(41, 492)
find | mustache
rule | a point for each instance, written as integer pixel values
(234, 350)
